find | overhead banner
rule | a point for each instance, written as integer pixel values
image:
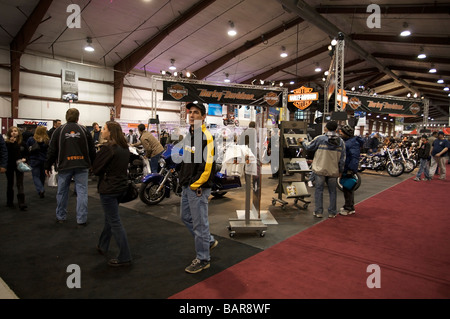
(189, 92)
(384, 105)
(69, 85)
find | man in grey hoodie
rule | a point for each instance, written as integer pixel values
(328, 165)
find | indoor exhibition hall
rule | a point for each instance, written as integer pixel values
(265, 152)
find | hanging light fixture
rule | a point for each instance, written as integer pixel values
(283, 53)
(231, 31)
(89, 47)
(440, 81)
(172, 66)
(432, 69)
(318, 68)
(406, 32)
(227, 80)
(422, 54)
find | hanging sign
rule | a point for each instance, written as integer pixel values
(190, 92)
(384, 105)
(303, 97)
(342, 98)
(69, 85)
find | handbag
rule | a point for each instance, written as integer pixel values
(23, 167)
(131, 193)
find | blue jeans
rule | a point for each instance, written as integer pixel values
(423, 168)
(318, 194)
(154, 163)
(38, 174)
(113, 227)
(194, 214)
(80, 176)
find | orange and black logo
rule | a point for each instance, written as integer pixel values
(415, 108)
(271, 98)
(177, 91)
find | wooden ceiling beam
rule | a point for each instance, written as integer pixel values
(204, 71)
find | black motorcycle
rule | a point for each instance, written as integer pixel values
(380, 162)
(138, 165)
(157, 186)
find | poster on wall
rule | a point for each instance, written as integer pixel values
(69, 85)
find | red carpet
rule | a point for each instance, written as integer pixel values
(405, 230)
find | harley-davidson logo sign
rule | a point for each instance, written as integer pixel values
(303, 97)
(354, 103)
(415, 108)
(177, 91)
(271, 98)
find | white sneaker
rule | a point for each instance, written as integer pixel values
(318, 215)
(310, 184)
(343, 211)
(351, 212)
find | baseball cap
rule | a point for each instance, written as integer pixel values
(200, 106)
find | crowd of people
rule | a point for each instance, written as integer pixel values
(337, 154)
(75, 153)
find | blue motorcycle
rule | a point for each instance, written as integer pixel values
(157, 186)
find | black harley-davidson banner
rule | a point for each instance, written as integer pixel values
(383, 105)
(188, 92)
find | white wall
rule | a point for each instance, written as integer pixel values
(48, 88)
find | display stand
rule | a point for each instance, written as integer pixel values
(247, 224)
(293, 161)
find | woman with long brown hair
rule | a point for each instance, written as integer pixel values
(111, 164)
(17, 151)
(38, 147)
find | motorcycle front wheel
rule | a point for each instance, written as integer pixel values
(409, 165)
(395, 168)
(148, 194)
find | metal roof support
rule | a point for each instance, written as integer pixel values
(310, 15)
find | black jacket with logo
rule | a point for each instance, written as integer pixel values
(71, 146)
(198, 166)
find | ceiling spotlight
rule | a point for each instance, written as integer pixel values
(415, 95)
(440, 81)
(408, 95)
(292, 82)
(283, 53)
(188, 74)
(421, 55)
(446, 88)
(333, 42)
(281, 84)
(318, 68)
(254, 81)
(261, 82)
(432, 69)
(406, 31)
(89, 46)
(231, 31)
(227, 80)
(172, 66)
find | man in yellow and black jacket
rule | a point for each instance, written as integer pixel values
(196, 173)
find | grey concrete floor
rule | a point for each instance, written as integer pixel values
(290, 220)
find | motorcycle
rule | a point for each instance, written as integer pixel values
(157, 186)
(381, 161)
(138, 165)
(409, 164)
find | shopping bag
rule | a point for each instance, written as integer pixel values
(53, 178)
(23, 167)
